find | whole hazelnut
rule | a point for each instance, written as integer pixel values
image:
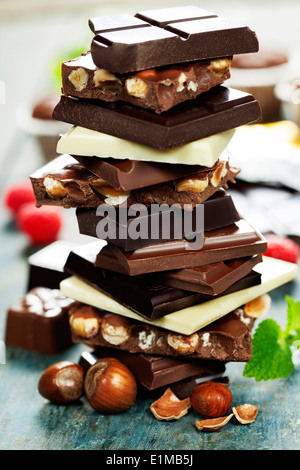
(62, 382)
(211, 399)
(109, 386)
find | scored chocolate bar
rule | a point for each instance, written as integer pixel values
(227, 339)
(212, 279)
(66, 183)
(125, 43)
(156, 371)
(219, 211)
(144, 295)
(215, 111)
(156, 89)
(235, 241)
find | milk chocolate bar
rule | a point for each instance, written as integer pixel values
(125, 43)
(66, 183)
(154, 372)
(219, 211)
(126, 175)
(39, 322)
(46, 266)
(212, 279)
(157, 89)
(236, 241)
(227, 339)
(144, 295)
(215, 111)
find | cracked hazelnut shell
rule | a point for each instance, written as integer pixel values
(211, 399)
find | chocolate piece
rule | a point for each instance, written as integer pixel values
(39, 322)
(190, 191)
(157, 89)
(66, 183)
(160, 37)
(126, 175)
(235, 241)
(46, 266)
(227, 339)
(143, 295)
(215, 111)
(211, 279)
(219, 211)
(156, 371)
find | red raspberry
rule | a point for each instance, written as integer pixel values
(282, 248)
(41, 225)
(18, 194)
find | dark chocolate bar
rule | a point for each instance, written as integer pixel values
(66, 183)
(227, 339)
(213, 112)
(124, 43)
(157, 89)
(144, 295)
(39, 322)
(235, 241)
(212, 279)
(46, 266)
(219, 211)
(154, 372)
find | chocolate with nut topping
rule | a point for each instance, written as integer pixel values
(66, 183)
(157, 89)
(227, 339)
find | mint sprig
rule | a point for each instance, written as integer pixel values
(272, 356)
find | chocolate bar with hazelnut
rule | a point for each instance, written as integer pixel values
(67, 183)
(227, 339)
(158, 89)
(39, 322)
(154, 372)
(215, 111)
(125, 43)
(144, 295)
(219, 211)
(127, 174)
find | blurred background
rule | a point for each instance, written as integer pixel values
(37, 35)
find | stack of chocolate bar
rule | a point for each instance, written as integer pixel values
(151, 122)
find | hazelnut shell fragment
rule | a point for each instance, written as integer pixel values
(169, 407)
(211, 425)
(245, 414)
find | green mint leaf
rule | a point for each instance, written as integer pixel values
(293, 316)
(271, 354)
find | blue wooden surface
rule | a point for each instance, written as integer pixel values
(27, 421)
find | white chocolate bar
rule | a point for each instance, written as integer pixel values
(188, 320)
(86, 142)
